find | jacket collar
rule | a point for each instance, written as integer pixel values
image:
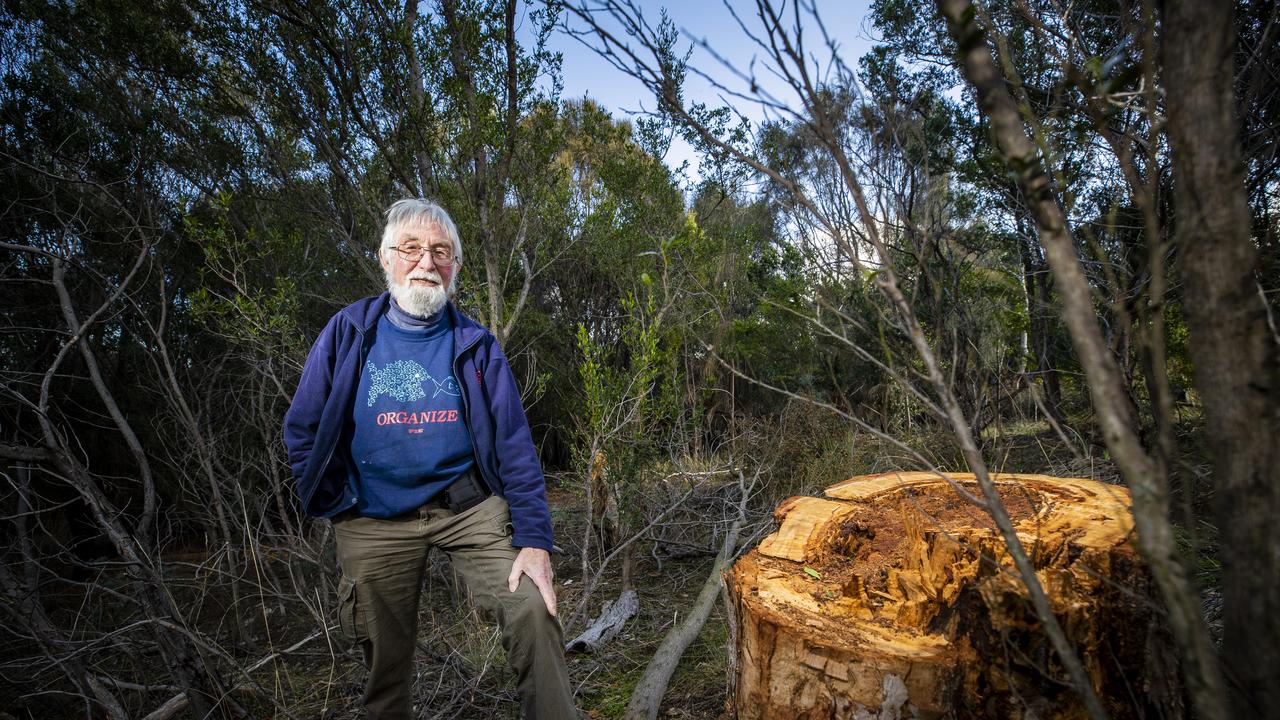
(364, 314)
(465, 330)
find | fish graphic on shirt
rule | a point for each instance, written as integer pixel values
(448, 386)
(403, 381)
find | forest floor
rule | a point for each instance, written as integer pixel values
(461, 671)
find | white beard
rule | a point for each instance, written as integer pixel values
(419, 300)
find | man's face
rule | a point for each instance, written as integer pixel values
(420, 286)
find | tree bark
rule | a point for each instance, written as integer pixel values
(1235, 357)
(892, 597)
(417, 90)
(80, 332)
(613, 615)
(1039, 335)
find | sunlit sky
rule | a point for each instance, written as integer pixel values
(586, 74)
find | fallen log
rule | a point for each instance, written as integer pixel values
(613, 615)
(893, 597)
(646, 699)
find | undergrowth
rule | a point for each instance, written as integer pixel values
(461, 670)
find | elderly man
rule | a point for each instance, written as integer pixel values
(407, 431)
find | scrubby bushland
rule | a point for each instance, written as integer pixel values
(861, 282)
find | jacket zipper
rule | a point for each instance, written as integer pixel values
(466, 410)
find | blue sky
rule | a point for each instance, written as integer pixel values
(586, 74)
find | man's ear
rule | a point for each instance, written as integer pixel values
(384, 260)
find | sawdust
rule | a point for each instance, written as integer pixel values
(871, 540)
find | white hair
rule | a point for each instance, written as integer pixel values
(419, 211)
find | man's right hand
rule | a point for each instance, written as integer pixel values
(536, 563)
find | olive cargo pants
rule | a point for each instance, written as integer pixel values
(382, 570)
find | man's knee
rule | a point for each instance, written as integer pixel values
(527, 604)
(525, 616)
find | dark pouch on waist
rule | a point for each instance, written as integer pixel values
(466, 492)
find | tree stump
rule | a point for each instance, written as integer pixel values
(894, 597)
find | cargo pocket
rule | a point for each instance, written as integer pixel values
(347, 609)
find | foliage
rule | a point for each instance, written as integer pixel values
(206, 181)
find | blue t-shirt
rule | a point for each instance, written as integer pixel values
(409, 439)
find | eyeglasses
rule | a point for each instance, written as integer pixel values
(413, 252)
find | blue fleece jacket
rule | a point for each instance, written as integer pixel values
(505, 455)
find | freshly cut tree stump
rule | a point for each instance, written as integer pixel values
(893, 597)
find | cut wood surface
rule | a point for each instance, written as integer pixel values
(894, 597)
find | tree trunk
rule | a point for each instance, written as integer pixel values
(1236, 361)
(893, 597)
(1039, 331)
(1108, 388)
